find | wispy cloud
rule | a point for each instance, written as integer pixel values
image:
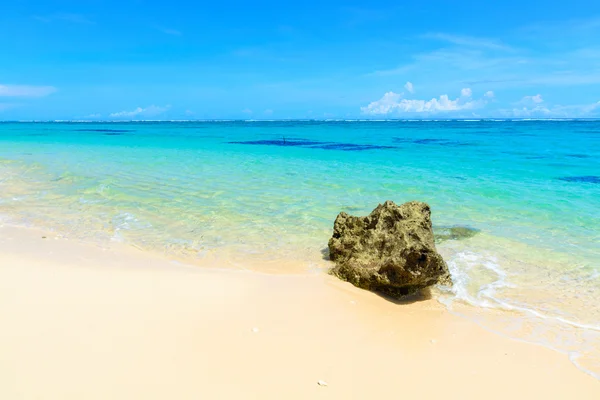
(467, 59)
(566, 78)
(25, 91)
(455, 59)
(150, 111)
(560, 29)
(409, 87)
(476, 66)
(65, 17)
(469, 41)
(591, 107)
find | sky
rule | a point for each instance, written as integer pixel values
(161, 60)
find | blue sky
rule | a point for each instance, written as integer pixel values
(134, 59)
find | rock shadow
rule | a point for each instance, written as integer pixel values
(325, 254)
(457, 232)
(421, 295)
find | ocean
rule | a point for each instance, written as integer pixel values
(257, 194)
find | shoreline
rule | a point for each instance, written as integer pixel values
(80, 321)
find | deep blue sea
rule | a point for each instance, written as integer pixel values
(255, 194)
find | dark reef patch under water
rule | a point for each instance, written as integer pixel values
(109, 132)
(578, 155)
(351, 147)
(431, 141)
(281, 142)
(311, 144)
(583, 179)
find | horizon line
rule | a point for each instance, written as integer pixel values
(301, 120)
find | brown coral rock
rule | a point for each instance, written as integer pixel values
(392, 250)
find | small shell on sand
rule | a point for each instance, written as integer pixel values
(321, 383)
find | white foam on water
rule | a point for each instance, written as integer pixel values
(465, 262)
(478, 282)
(125, 221)
(461, 268)
(574, 357)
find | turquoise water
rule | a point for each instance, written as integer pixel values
(259, 193)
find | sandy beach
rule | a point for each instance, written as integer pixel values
(84, 322)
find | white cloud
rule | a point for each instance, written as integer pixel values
(25, 91)
(552, 111)
(91, 116)
(538, 111)
(394, 103)
(409, 87)
(489, 94)
(385, 105)
(141, 112)
(247, 111)
(268, 112)
(537, 99)
(466, 92)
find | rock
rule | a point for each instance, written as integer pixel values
(391, 250)
(444, 233)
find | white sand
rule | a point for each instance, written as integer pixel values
(79, 322)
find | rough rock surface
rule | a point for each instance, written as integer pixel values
(392, 250)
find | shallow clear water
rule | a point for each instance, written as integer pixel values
(269, 191)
